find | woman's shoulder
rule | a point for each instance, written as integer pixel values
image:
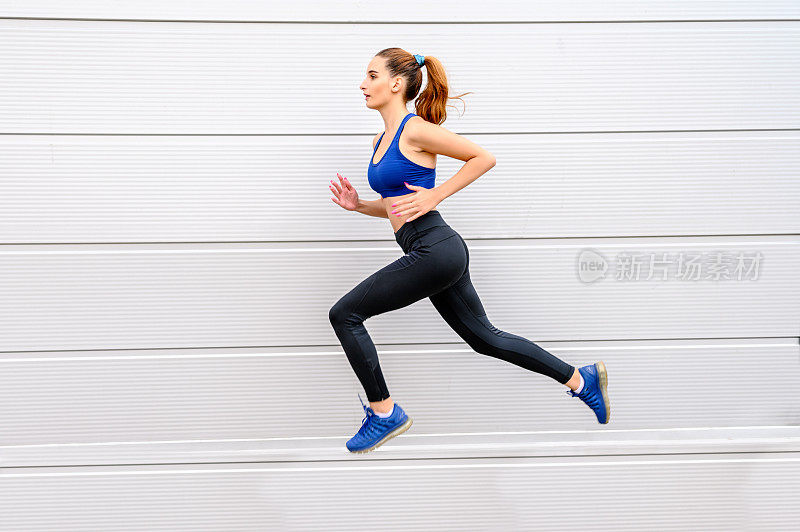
(375, 139)
(416, 122)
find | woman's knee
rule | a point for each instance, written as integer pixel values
(483, 337)
(339, 314)
(481, 346)
(349, 310)
(343, 313)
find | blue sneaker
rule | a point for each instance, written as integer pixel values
(375, 431)
(594, 392)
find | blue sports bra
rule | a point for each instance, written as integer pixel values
(387, 176)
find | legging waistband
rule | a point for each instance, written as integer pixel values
(409, 230)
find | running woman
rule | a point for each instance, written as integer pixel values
(436, 260)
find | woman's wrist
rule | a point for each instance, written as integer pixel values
(361, 206)
(440, 194)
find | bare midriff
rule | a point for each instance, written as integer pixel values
(397, 221)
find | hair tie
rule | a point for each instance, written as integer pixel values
(420, 59)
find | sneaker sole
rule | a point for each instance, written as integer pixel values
(601, 371)
(396, 432)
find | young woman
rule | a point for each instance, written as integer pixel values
(436, 261)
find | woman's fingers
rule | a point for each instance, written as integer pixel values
(345, 183)
(405, 210)
(403, 201)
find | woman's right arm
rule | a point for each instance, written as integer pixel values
(347, 197)
(372, 208)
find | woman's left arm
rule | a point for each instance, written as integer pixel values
(436, 139)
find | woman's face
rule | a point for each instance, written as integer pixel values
(377, 86)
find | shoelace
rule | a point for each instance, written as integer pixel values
(593, 401)
(368, 414)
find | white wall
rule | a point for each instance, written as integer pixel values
(169, 252)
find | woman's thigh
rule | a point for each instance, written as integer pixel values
(423, 271)
(461, 307)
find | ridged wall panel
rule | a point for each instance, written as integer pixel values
(117, 189)
(169, 253)
(126, 77)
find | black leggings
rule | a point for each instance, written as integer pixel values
(436, 266)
